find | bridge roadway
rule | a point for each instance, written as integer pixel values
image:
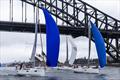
(67, 30)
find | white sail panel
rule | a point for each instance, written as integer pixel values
(74, 52)
(32, 59)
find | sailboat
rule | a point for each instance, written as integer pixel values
(100, 47)
(68, 65)
(33, 70)
(52, 48)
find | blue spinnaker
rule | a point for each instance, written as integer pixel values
(99, 43)
(52, 40)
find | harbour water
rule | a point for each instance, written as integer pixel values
(111, 73)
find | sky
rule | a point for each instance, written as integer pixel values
(15, 46)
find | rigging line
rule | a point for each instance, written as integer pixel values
(34, 12)
(67, 39)
(43, 54)
(89, 46)
(89, 43)
(66, 61)
(12, 10)
(22, 11)
(56, 12)
(37, 10)
(25, 12)
(66, 50)
(35, 40)
(40, 36)
(37, 22)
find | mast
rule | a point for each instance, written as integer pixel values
(43, 54)
(34, 12)
(35, 41)
(66, 62)
(89, 44)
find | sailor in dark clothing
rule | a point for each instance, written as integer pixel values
(21, 65)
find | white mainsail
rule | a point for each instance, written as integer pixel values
(74, 52)
(32, 59)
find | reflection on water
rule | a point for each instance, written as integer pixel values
(101, 77)
(53, 78)
(110, 74)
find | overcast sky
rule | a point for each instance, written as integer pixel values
(18, 46)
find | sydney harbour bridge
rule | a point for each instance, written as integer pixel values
(75, 15)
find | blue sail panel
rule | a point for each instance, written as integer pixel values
(100, 46)
(52, 39)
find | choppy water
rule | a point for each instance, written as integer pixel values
(111, 73)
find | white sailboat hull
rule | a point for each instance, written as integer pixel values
(48, 71)
(31, 72)
(86, 70)
(65, 68)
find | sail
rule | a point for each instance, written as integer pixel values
(52, 40)
(32, 59)
(74, 52)
(99, 43)
(34, 46)
(66, 61)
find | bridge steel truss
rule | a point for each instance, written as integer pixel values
(76, 14)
